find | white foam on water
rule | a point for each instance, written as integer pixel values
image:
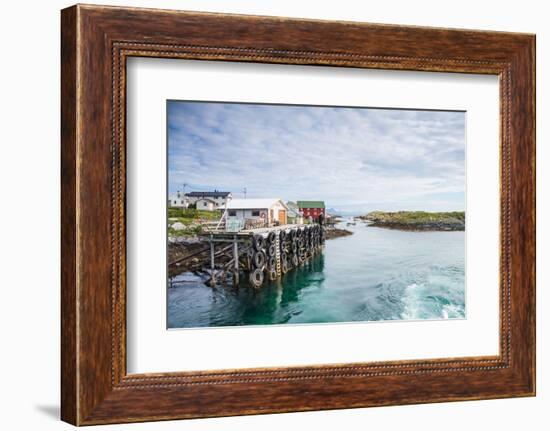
(411, 302)
(421, 303)
(452, 311)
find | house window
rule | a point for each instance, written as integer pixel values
(204, 204)
(232, 213)
(256, 213)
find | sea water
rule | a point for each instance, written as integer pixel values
(376, 274)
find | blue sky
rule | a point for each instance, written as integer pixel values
(355, 159)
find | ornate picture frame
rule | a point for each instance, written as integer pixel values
(96, 41)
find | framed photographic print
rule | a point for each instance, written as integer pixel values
(268, 215)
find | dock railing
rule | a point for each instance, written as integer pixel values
(254, 223)
(233, 225)
(213, 226)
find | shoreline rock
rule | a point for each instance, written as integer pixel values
(419, 228)
(332, 233)
(178, 253)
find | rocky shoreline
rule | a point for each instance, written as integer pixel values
(417, 220)
(187, 254)
(332, 233)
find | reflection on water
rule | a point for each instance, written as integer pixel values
(374, 274)
(195, 304)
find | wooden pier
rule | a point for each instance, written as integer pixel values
(261, 254)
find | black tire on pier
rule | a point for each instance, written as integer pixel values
(293, 234)
(283, 256)
(259, 259)
(272, 262)
(249, 258)
(271, 237)
(294, 246)
(282, 236)
(258, 242)
(272, 274)
(256, 278)
(284, 266)
(271, 250)
(295, 260)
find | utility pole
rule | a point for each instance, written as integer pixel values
(183, 198)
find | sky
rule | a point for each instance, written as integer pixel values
(355, 159)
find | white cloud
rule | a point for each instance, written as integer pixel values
(348, 157)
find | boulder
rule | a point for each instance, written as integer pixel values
(178, 226)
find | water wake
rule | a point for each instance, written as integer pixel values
(433, 301)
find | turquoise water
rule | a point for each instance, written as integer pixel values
(374, 274)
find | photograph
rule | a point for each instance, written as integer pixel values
(299, 214)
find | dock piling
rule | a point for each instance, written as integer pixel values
(212, 263)
(262, 253)
(236, 263)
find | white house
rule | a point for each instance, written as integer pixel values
(271, 211)
(206, 204)
(219, 199)
(178, 200)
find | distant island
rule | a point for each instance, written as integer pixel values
(417, 220)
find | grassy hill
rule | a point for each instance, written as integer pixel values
(191, 218)
(417, 220)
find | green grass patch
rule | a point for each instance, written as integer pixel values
(414, 217)
(192, 219)
(191, 214)
(188, 231)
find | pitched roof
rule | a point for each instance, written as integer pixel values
(311, 204)
(215, 193)
(207, 200)
(294, 212)
(255, 204)
(175, 196)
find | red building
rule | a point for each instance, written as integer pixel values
(312, 209)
